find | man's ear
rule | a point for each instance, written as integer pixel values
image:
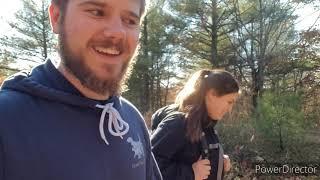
(55, 18)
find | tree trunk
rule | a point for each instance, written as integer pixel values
(44, 33)
(214, 35)
(145, 96)
(255, 89)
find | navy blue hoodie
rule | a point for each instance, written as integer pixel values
(50, 131)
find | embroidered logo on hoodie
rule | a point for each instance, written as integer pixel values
(137, 147)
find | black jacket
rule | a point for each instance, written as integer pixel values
(174, 152)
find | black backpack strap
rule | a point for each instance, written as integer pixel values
(220, 165)
(205, 146)
(206, 149)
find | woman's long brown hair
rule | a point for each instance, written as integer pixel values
(191, 99)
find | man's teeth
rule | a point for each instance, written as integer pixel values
(112, 50)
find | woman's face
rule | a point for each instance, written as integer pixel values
(218, 106)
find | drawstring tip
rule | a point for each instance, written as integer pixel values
(106, 142)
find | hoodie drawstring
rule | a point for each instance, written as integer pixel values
(116, 125)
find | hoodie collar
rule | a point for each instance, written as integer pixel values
(49, 76)
(209, 123)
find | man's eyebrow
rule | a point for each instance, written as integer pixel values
(130, 13)
(102, 4)
(94, 3)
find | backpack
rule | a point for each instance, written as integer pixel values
(162, 113)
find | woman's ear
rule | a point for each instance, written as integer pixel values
(211, 93)
(210, 96)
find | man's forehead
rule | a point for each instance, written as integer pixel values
(132, 5)
(110, 1)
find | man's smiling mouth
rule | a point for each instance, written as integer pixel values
(114, 51)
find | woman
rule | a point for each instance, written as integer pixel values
(183, 138)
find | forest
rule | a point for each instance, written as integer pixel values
(277, 63)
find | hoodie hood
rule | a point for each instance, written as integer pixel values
(46, 82)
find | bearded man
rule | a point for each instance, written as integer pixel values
(67, 120)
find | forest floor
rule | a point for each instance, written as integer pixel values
(305, 153)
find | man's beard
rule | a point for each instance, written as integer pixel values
(75, 64)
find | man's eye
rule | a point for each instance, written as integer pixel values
(130, 21)
(96, 12)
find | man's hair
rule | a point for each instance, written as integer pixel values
(63, 6)
(61, 3)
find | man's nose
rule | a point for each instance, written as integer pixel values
(114, 28)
